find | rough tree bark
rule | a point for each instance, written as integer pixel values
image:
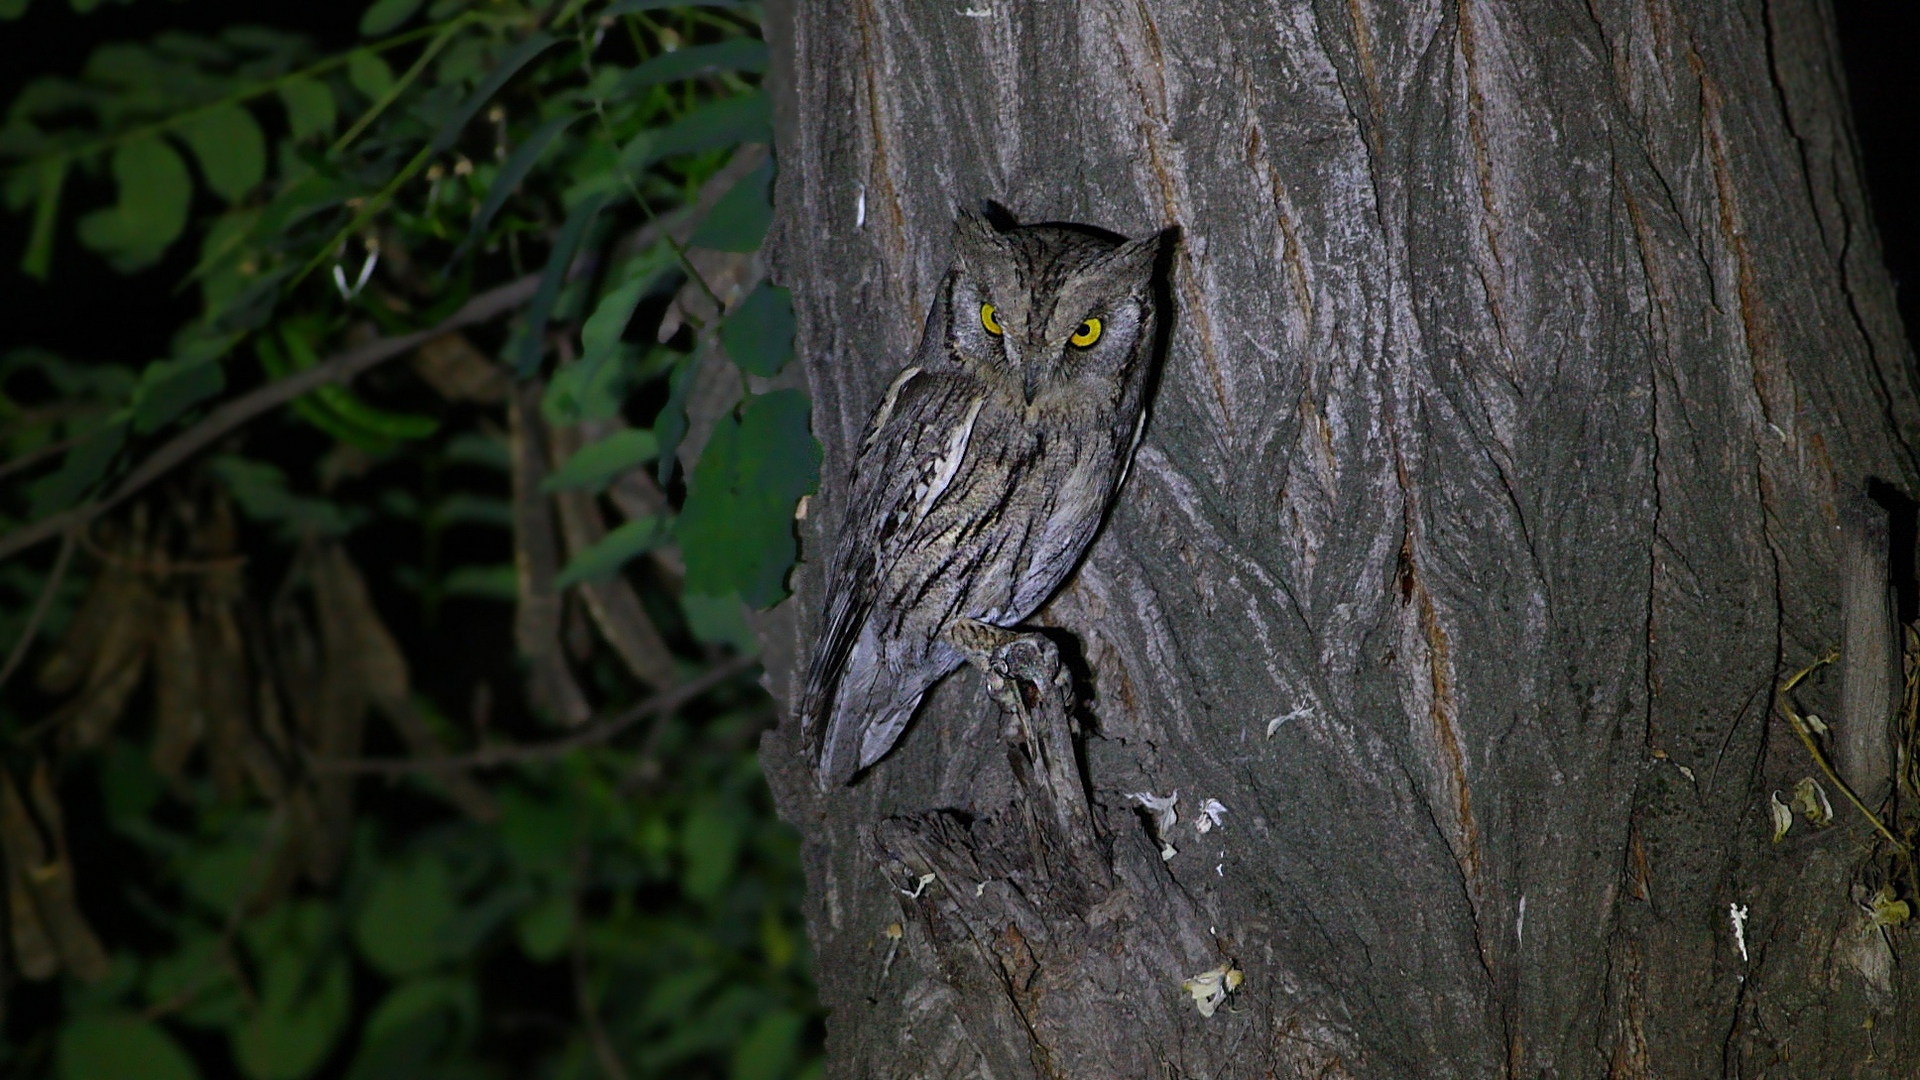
(1531, 360)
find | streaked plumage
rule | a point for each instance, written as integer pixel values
(985, 471)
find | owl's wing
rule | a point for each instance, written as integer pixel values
(911, 450)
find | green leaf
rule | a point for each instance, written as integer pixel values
(368, 73)
(50, 178)
(305, 196)
(515, 169)
(418, 997)
(719, 620)
(170, 387)
(402, 926)
(770, 1049)
(295, 1029)
(231, 151)
(537, 834)
(742, 118)
(413, 1025)
(709, 846)
(223, 275)
(582, 391)
(310, 108)
(382, 92)
(734, 54)
(517, 57)
(674, 995)
(305, 995)
(308, 408)
(199, 975)
(605, 558)
(670, 426)
(12, 9)
(218, 876)
(530, 344)
(467, 508)
(758, 334)
(591, 388)
(386, 16)
(594, 465)
(261, 490)
(736, 533)
(406, 1052)
(487, 582)
(473, 448)
(381, 422)
(117, 1046)
(82, 468)
(154, 192)
(738, 222)
(546, 928)
(359, 416)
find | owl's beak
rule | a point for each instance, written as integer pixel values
(1032, 382)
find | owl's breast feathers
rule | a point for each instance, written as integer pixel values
(964, 503)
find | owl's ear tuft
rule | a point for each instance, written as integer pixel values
(1144, 259)
(975, 239)
(976, 233)
(998, 215)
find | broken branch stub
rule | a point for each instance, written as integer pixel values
(1052, 916)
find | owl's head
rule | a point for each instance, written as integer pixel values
(1042, 311)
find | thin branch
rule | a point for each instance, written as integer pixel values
(161, 567)
(54, 577)
(1805, 734)
(338, 368)
(591, 735)
(28, 459)
(344, 366)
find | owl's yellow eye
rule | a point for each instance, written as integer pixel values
(1088, 333)
(987, 320)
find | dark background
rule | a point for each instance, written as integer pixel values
(86, 310)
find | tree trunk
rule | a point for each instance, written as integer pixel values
(1532, 363)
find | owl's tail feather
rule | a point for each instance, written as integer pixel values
(832, 657)
(853, 744)
(869, 709)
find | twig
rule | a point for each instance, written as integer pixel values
(54, 577)
(338, 368)
(591, 735)
(344, 366)
(28, 459)
(1801, 729)
(161, 567)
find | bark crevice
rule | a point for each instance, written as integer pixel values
(1467, 527)
(1054, 898)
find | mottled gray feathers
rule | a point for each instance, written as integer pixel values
(985, 472)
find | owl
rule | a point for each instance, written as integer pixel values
(984, 473)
